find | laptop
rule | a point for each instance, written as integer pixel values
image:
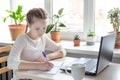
(95, 66)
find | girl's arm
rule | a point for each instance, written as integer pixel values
(14, 61)
(35, 65)
(58, 50)
(55, 55)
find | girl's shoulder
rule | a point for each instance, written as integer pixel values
(21, 37)
(45, 36)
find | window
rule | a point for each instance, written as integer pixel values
(73, 10)
(102, 24)
(4, 30)
(29, 4)
(11, 4)
(80, 15)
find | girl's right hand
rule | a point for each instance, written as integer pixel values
(45, 66)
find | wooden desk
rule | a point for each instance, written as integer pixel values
(110, 73)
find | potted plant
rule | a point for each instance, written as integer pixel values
(55, 26)
(114, 16)
(76, 40)
(91, 38)
(18, 17)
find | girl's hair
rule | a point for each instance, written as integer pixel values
(38, 13)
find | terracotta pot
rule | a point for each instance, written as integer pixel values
(76, 42)
(16, 30)
(55, 36)
(117, 42)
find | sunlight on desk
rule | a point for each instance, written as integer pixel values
(110, 73)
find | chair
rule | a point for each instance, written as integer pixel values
(5, 73)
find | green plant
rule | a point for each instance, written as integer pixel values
(90, 33)
(17, 16)
(76, 37)
(56, 21)
(114, 16)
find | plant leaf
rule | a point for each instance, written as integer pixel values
(4, 20)
(17, 15)
(55, 16)
(60, 11)
(19, 10)
(8, 11)
(91, 34)
(49, 28)
(76, 37)
(62, 25)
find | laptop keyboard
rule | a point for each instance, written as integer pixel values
(90, 64)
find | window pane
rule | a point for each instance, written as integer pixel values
(73, 10)
(29, 4)
(4, 30)
(102, 24)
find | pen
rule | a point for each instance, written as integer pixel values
(44, 54)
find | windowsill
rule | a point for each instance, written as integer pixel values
(85, 49)
(82, 49)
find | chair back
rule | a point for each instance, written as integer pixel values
(5, 73)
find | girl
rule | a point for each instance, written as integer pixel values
(27, 49)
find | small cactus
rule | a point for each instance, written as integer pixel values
(77, 37)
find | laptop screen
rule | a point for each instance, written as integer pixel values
(106, 51)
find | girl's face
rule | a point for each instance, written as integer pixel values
(38, 28)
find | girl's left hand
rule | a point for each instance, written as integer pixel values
(41, 59)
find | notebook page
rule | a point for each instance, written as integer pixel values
(54, 70)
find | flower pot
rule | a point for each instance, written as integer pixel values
(16, 30)
(76, 42)
(90, 40)
(116, 27)
(55, 36)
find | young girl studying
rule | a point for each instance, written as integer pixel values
(27, 51)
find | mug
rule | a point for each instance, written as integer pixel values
(77, 71)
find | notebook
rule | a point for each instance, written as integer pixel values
(95, 66)
(54, 70)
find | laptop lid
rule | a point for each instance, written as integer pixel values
(105, 51)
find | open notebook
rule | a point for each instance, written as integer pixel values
(54, 70)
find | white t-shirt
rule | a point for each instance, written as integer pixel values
(28, 49)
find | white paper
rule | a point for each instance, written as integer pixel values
(54, 70)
